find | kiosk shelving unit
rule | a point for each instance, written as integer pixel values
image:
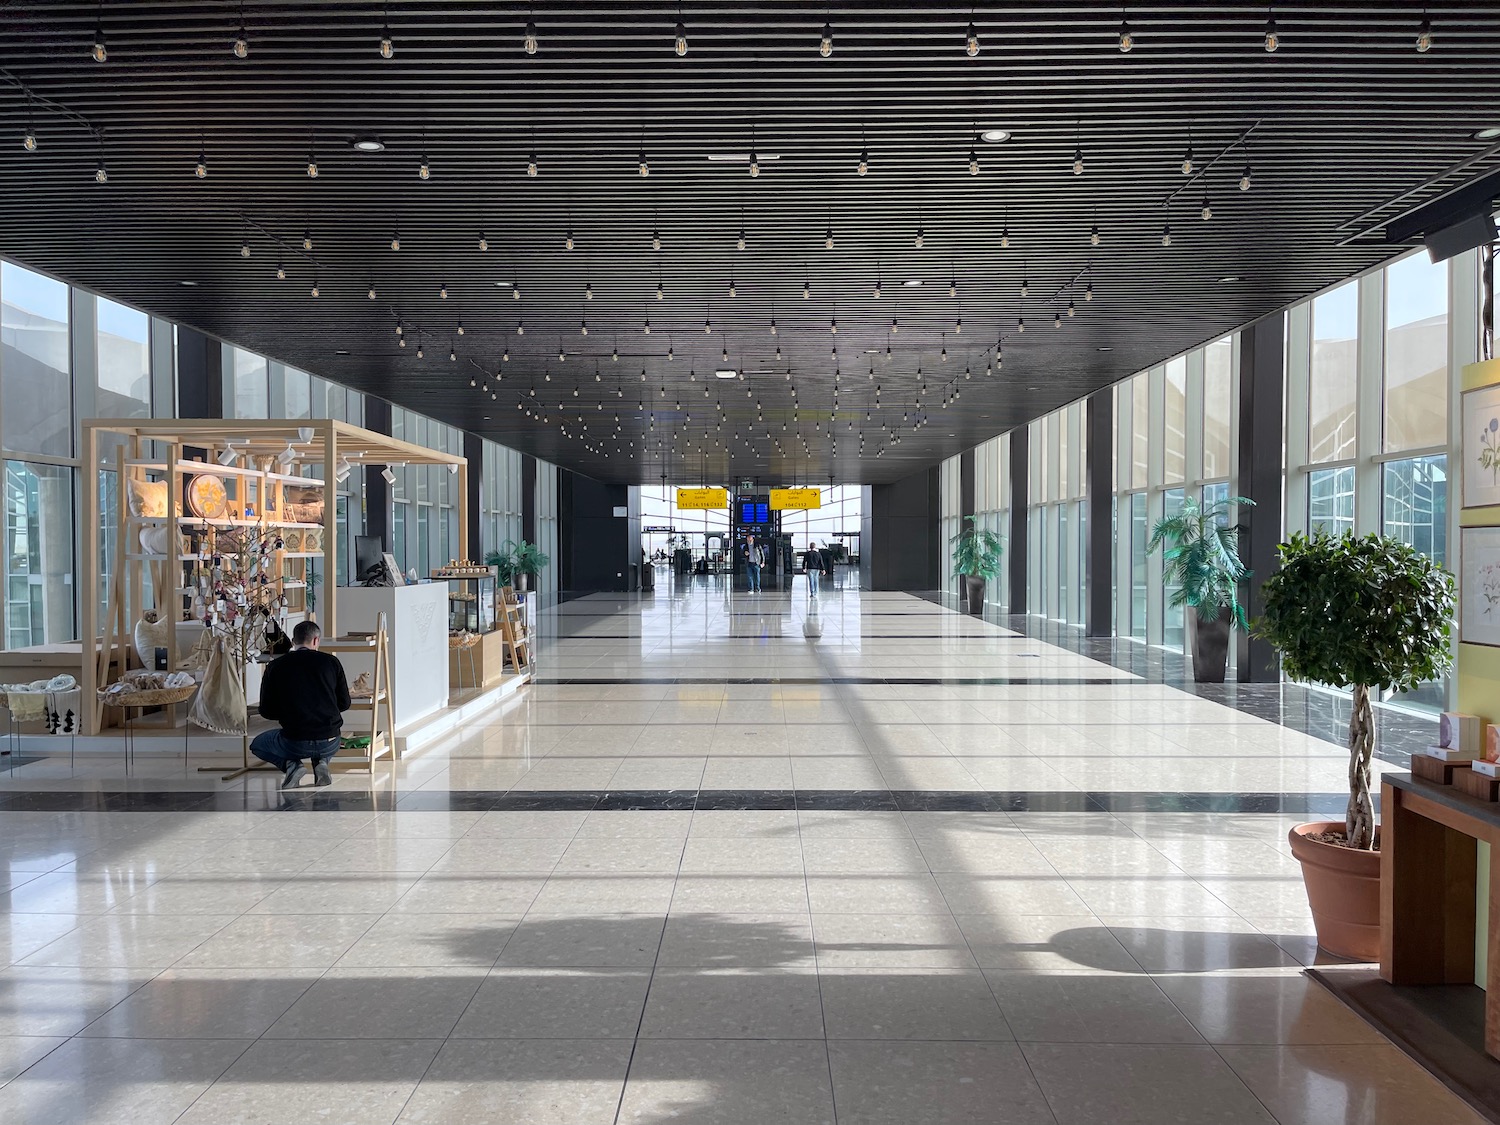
(175, 449)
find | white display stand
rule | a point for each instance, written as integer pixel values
(418, 617)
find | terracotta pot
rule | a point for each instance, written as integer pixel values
(1343, 889)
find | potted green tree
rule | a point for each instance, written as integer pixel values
(1201, 558)
(1354, 612)
(503, 559)
(976, 556)
(529, 562)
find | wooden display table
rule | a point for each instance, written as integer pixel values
(1428, 868)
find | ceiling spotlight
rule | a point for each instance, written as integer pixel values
(1273, 37)
(367, 144)
(529, 41)
(995, 136)
(1229, 279)
(287, 455)
(388, 474)
(1488, 134)
(825, 43)
(971, 41)
(229, 454)
(680, 42)
(1127, 37)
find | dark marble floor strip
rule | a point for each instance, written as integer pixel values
(684, 800)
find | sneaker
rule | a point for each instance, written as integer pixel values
(295, 772)
(321, 776)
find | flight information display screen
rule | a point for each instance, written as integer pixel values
(752, 511)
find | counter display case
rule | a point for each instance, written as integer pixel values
(471, 604)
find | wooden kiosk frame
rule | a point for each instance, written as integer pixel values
(184, 447)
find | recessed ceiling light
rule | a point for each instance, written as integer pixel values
(742, 157)
(342, 351)
(995, 136)
(912, 283)
(1106, 349)
(503, 284)
(368, 144)
(1228, 277)
(1490, 134)
(725, 373)
(189, 284)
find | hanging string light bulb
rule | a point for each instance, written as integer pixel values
(568, 241)
(280, 272)
(1187, 156)
(1094, 235)
(484, 243)
(825, 42)
(424, 170)
(307, 242)
(315, 293)
(1272, 36)
(531, 166)
(1127, 37)
(245, 251)
(387, 47)
(241, 45)
(1072, 308)
(1207, 211)
(312, 161)
(1166, 234)
(679, 38)
(396, 241)
(528, 40)
(973, 160)
(971, 41)
(1245, 177)
(588, 291)
(1424, 34)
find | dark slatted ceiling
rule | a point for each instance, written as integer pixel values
(1344, 116)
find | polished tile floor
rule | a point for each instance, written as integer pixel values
(921, 869)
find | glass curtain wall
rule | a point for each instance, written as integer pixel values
(950, 522)
(992, 507)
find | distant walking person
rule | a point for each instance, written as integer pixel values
(812, 562)
(306, 692)
(754, 557)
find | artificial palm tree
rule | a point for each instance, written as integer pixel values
(1201, 558)
(976, 556)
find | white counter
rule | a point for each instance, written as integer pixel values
(418, 617)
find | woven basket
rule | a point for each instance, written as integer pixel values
(156, 697)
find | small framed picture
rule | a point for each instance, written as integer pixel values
(1481, 446)
(1479, 587)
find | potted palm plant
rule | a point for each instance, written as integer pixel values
(529, 562)
(976, 556)
(1354, 612)
(1201, 557)
(503, 559)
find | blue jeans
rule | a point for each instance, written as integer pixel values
(812, 582)
(753, 570)
(275, 747)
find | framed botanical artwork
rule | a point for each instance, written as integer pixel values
(1481, 446)
(1479, 587)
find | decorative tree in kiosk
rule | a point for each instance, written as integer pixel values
(1358, 612)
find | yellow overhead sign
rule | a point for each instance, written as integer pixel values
(791, 499)
(702, 498)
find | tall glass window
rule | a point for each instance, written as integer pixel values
(38, 554)
(1330, 500)
(1174, 445)
(1138, 539)
(252, 385)
(1218, 406)
(1331, 390)
(1140, 426)
(1415, 504)
(297, 389)
(1171, 616)
(36, 387)
(1416, 354)
(123, 347)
